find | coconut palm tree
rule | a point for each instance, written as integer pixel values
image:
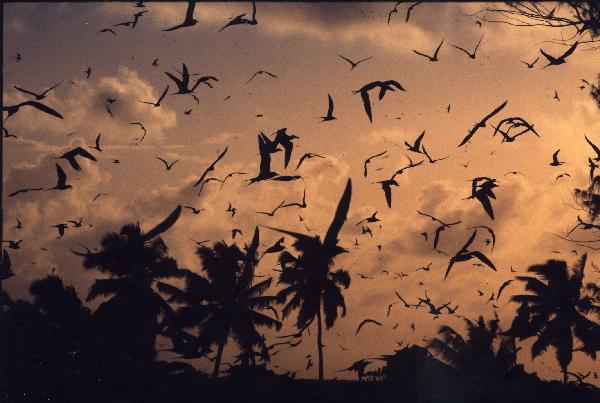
(225, 302)
(481, 354)
(311, 286)
(134, 261)
(555, 311)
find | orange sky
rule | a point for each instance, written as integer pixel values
(300, 43)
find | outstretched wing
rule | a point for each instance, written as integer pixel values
(570, 51)
(484, 259)
(340, 217)
(364, 94)
(42, 108)
(163, 226)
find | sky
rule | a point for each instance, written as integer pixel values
(300, 43)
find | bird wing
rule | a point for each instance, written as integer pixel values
(594, 147)
(62, 177)
(417, 144)
(162, 95)
(483, 259)
(555, 156)
(339, 218)
(364, 94)
(388, 194)
(410, 9)
(25, 91)
(459, 48)
(189, 13)
(42, 108)
(330, 106)
(210, 168)
(485, 202)
(437, 235)
(494, 112)
(364, 322)
(301, 160)
(450, 264)
(84, 153)
(502, 287)
(348, 60)
(422, 54)
(437, 50)
(478, 43)
(570, 51)
(551, 59)
(166, 164)
(164, 225)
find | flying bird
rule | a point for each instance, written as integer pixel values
(12, 109)
(71, 157)
(354, 64)
(383, 86)
(371, 219)
(416, 146)
(189, 20)
(261, 72)
(482, 123)
(386, 186)
(329, 115)
(184, 83)
(38, 97)
(433, 58)
(106, 30)
(368, 161)
(272, 213)
(240, 20)
(307, 156)
(96, 146)
(62, 179)
(555, 61)
(157, 103)
(530, 65)
(555, 162)
(594, 147)
(470, 54)
(231, 209)
(210, 168)
(168, 166)
(364, 322)
(465, 254)
(285, 140)
(194, 210)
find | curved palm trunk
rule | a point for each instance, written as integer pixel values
(218, 360)
(320, 343)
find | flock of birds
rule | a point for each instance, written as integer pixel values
(510, 128)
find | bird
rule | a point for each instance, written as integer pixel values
(530, 65)
(416, 146)
(562, 175)
(556, 96)
(301, 205)
(465, 254)
(18, 57)
(78, 223)
(240, 20)
(307, 156)
(12, 109)
(19, 225)
(62, 179)
(594, 147)
(88, 72)
(592, 168)
(329, 115)
(71, 157)
(354, 64)
(371, 219)
(367, 230)
(266, 147)
(234, 232)
(7, 134)
(410, 8)
(199, 242)
(366, 321)
(514, 173)
(184, 83)
(555, 162)
(210, 168)
(555, 61)
(61, 229)
(261, 72)
(155, 62)
(109, 111)
(194, 210)
(368, 161)
(483, 192)
(502, 287)
(386, 186)
(229, 175)
(189, 20)
(433, 58)
(384, 86)
(441, 228)
(14, 244)
(488, 229)
(271, 213)
(187, 112)
(285, 140)
(98, 196)
(96, 146)
(103, 30)
(470, 54)
(482, 123)
(231, 209)
(38, 97)
(431, 160)
(157, 103)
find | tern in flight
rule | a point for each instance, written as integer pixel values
(157, 103)
(354, 64)
(38, 97)
(555, 61)
(383, 86)
(189, 20)
(433, 58)
(329, 115)
(470, 54)
(465, 254)
(482, 123)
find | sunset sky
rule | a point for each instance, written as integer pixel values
(300, 44)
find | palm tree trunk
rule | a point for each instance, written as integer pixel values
(320, 343)
(565, 376)
(218, 360)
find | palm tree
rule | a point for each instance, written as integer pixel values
(311, 285)
(135, 262)
(555, 311)
(225, 302)
(479, 355)
(589, 199)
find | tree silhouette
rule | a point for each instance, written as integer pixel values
(555, 311)
(480, 355)
(127, 324)
(311, 285)
(225, 302)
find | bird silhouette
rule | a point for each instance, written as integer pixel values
(465, 254)
(433, 58)
(386, 186)
(530, 65)
(483, 192)
(271, 213)
(266, 147)
(441, 228)
(329, 115)
(12, 109)
(199, 242)
(367, 230)
(231, 209)
(594, 147)
(502, 287)
(354, 64)
(62, 179)
(88, 72)
(432, 160)
(383, 86)
(194, 210)
(189, 20)
(71, 157)
(19, 225)
(61, 229)
(157, 103)
(489, 230)
(24, 191)
(210, 168)
(555, 162)
(14, 244)
(371, 219)
(300, 205)
(556, 96)
(470, 54)
(184, 83)
(368, 161)
(555, 61)
(38, 97)
(409, 10)
(307, 156)
(106, 30)
(482, 123)
(240, 20)
(562, 176)
(416, 146)
(96, 146)
(261, 72)
(235, 231)
(285, 140)
(364, 322)
(18, 57)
